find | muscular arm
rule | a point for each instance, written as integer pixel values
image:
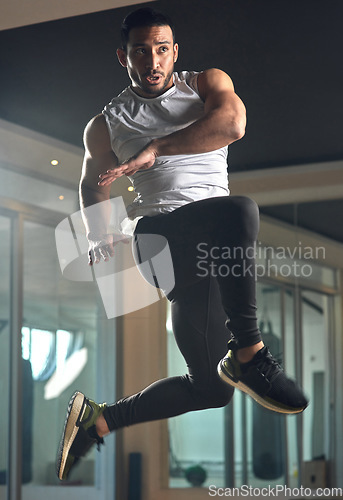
(98, 158)
(222, 124)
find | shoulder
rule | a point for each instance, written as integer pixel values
(121, 99)
(96, 136)
(188, 77)
(214, 80)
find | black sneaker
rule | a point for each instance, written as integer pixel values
(263, 379)
(79, 433)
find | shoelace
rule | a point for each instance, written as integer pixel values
(94, 435)
(267, 364)
(100, 442)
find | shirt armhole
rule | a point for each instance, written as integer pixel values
(192, 81)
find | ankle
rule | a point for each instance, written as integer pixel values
(101, 426)
(245, 354)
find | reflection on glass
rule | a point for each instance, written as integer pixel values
(59, 346)
(56, 357)
(38, 349)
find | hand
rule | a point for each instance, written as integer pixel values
(102, 247)
(143, 160)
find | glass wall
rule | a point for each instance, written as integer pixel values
(194, 455)
(291, 358)
(59, 340)
(261, 455)
(196, 439)
(5, 265)
(316, 362)
(67, 344)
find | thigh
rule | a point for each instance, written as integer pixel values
(183, 230)
(192, 230)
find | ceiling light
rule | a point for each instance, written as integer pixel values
(54, 162)
(130, 188)
(61, 197)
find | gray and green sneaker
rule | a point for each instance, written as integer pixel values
(264, 380)
(79, 433)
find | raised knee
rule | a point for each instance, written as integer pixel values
(216, 398)
(246, 215)
(247, 207)
(221, 401)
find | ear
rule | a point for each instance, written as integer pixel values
(176, 51)
(121, 54)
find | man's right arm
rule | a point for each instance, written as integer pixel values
(98, 158)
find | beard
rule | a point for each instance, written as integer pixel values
(151, 89)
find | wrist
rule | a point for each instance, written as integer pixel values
(155, 147)
(96, 236)
(166, 146)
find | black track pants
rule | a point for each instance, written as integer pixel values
(212, 245)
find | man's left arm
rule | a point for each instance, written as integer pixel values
(222, 124)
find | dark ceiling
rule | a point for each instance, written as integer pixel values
(284, 56)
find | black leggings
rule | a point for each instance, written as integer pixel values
(212, 245)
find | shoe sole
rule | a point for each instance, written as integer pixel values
(76, 409)
(244, 388)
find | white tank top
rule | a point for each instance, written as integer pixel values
(173, 181)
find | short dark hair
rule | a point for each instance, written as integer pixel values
(144, 16)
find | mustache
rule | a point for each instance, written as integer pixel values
(153, 73)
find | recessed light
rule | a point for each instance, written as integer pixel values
(54, 162)
(130, 188)
(61, 197)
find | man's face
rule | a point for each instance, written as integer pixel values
(149, 59)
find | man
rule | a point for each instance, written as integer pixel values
(175, 130)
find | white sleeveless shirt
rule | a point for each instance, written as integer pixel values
(173, 181)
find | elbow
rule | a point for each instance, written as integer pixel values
(237, 128)
(237, 131)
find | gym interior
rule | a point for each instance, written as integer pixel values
(57, 334)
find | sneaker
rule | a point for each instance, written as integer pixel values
(263, 379)
(79, 433)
